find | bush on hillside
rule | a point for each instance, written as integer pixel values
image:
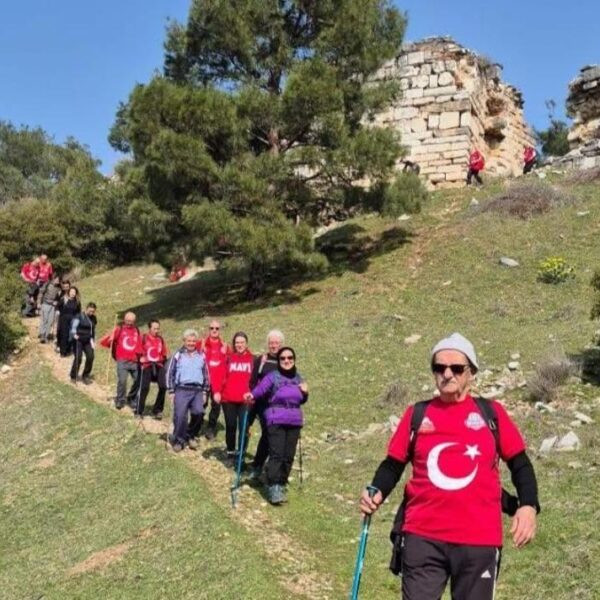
(550, 373)
(527, 199)
(405, 194)
(554, 270)
(11, 293)
(585, 176)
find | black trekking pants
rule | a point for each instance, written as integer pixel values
(215, 411)
(262, 449)
(528, 166)
(153, 373)
(82, 347)
(234, 413)
(473, 173)
(283, 440)
(428, 564)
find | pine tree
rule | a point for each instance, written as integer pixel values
(259, 123)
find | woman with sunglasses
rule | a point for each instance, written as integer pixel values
(284, 392)
(451, 526)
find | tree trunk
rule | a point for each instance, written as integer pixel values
(256, 281)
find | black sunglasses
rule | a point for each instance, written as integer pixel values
(290, 357)
(215, 328)
(456, 369)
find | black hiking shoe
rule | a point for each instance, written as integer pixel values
(87, 379)
(192, 444)
(210, 434)
(158, 416)
(177, 447)
(119, 405)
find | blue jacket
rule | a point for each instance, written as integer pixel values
(188, 370)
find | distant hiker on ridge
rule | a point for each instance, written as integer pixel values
(450, 522)
(125, 343)
(476, 164)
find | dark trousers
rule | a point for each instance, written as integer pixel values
(262, 449)
(213, 415)
(65, 344)
(473, 173)
(234, 413)
(428, 564)
(283, 440)
(187, 400)
(82, 346)
(152, 373)
(528, 166)
(125, 368)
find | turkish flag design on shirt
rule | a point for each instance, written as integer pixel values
(154, 350)
(127, 343)
(454, 492)
(45, 271)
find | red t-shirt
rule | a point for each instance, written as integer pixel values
(215, 352)
(454, 491)
(45, 271)
(30, 272)
(127, 343)
(154, 350)
(237, 378)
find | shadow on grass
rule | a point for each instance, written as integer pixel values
(589, 362)
(218, 292)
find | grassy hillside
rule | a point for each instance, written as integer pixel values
(435, 273)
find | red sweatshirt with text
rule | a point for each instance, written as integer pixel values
(238, 370)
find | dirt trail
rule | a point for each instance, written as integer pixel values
(252, 512)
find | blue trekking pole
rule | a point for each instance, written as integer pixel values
(240, 460)
(362, 548)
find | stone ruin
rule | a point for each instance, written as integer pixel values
(452, 102)
(583, 106)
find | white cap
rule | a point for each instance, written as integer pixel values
(459, 343)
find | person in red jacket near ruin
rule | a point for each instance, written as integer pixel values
(529, 159)
(476, 164)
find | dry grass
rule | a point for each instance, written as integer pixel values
(550, 373)
(585, 176)
(527, 200)
(397, 396)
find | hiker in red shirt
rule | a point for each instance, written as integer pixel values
(529, 159)
(30, 271)
(125, 343)
(451, 519)
(476, 164)
(152, 368)
(45, 270)
(236, 384)
(215, 353)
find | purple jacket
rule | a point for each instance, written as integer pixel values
(284, 398)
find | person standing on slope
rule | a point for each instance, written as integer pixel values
(284, 392)
(50, 293)
(152, 365)
(452, 519)
(529, 159)
(215, 352)
(83, 334)
(476, 165)
(125, 343)
(188, 382)
(236, 384)
(263, 365)
(68, 306)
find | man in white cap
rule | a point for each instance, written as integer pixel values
(450, 525)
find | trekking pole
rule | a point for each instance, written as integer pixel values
(110, 351)
(362, 547)
(300, 457)
(240, 460)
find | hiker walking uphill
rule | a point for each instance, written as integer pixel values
(83, 333)
(450, 523)
(529, 159)
(215, 352)
(68, 306)
(476, 165)
(235, 386)
(188, 382)
(50, 293)
(125, 344)
(45, 270)
(152, 364)
(284, 392)
(263, 365)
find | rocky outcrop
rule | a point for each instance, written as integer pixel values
(453, 101)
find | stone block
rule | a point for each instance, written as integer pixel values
(409, 71)
(433, 121)
(413, 93)
(441, 91)
(418, 124)
(406, 112)
(404, 84)
(420, 81)
(433, 81)
(449, 120)
(453, 134)
(445, 79)
(437, 177)
(452, 154)
(426, 69)
(439, 66)
(450, 65)
(416, 58)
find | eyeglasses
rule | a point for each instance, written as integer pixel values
(285, 358)
(456, 369)
(214, 328)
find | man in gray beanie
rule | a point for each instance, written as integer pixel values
(450, 522)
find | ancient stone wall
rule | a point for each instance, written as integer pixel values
(452, 102)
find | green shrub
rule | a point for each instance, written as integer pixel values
(555, 270)
(405, 194)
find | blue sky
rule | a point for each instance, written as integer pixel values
(66, 64)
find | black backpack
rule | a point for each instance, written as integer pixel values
(510, 503)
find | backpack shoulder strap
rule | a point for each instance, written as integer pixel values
(486, 409)
(415, 422)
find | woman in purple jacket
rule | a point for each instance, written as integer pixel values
(284, 392)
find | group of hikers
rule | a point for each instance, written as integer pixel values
(448, 526)
(477, 163)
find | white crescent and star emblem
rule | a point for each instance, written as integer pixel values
(153, 354)
(443, 481)
(127, 343)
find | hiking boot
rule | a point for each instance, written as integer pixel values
(275, 494)
(210, 434)
(118, 405)
(158, 416)
(176, 447)
(73, 381)
(254, 474)
(193, 444)
(86, 379)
